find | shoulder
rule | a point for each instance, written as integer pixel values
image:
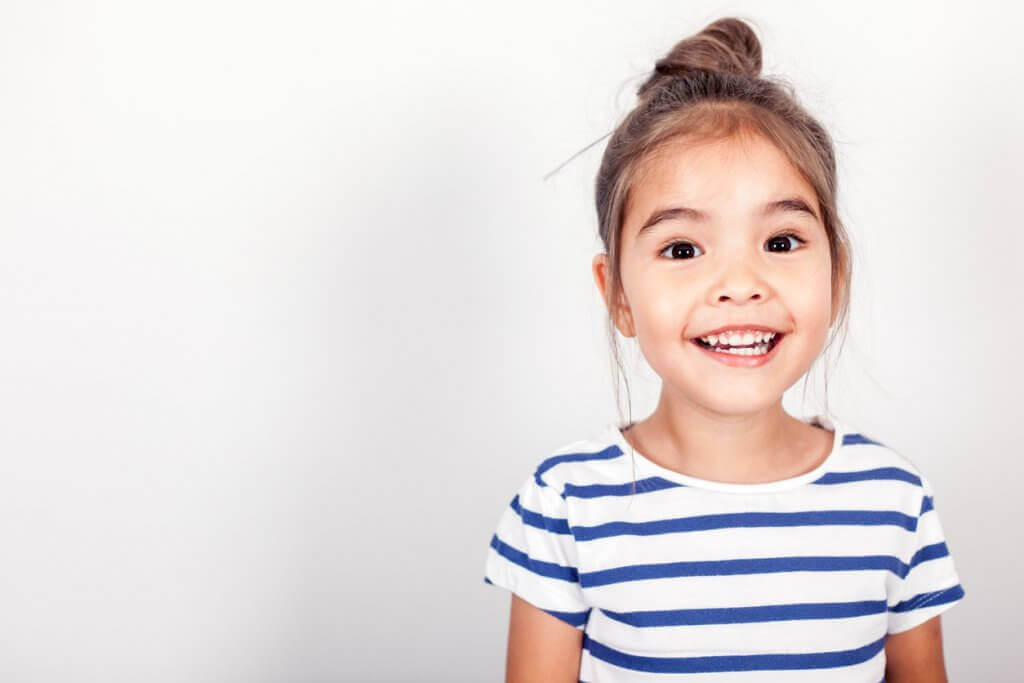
(870, 458)
(868, 450)
(597, 458)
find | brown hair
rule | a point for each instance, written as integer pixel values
(709, 87)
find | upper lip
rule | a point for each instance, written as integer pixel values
(739, 328)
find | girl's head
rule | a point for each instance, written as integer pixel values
(716, 201)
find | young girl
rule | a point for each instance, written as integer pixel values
(721, 539)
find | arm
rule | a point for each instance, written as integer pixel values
(915, 655)
(541, 648)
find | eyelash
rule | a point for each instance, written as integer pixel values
(795, 236)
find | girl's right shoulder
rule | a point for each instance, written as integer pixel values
(594, 460)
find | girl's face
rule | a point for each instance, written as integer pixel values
(739, 259)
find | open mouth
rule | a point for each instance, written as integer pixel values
(750, 350)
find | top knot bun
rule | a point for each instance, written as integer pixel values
(728, 45)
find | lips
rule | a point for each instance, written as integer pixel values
(738, 328)
(739, 361)
(771, 344)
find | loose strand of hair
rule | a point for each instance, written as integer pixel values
(616, 355)
(562, 165)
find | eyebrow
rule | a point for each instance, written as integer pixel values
(687, 213)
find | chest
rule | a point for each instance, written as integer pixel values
(679, 552)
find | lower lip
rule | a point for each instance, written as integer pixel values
(737, 361)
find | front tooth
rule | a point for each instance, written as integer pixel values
(739, 338)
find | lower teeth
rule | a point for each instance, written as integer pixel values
(743, 351)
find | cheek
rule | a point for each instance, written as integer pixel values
(810, 280)
(663, 306)
(812, 305)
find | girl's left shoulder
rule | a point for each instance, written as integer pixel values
(868, 456)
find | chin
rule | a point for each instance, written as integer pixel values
(742, 408)
(745, 400)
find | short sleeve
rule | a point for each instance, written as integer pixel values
(930, 584)
(533, 553)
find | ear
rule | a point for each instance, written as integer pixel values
(836, 298)
(621, 314)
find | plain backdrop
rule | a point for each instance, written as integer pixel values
(289, 311)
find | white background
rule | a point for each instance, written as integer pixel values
(289, 313)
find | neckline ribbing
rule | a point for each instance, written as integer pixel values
(822, 419)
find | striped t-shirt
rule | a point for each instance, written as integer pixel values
(795, 580)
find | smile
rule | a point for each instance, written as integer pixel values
(743, 356)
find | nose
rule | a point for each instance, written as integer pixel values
(739, 283)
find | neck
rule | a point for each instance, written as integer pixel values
(753, 447)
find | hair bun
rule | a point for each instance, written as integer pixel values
(728, 45)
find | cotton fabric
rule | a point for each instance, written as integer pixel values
(687, 579)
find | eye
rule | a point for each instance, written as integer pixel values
(684, 250)
(780, 240)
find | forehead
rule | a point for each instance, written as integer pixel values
(734, 175)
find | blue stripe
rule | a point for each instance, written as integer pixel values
(555, 525)
(927, 503)
(549, 569)
(599, 490)
(746, 519)
(571, 618)
(613, 451)
(608, 453)
(931, 599)
(760, 565)
(928, 552)
(652, 484)
(876, 474)
(759, 662)
(743, 615)
(855, 438)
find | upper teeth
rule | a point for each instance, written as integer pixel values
(739, 338)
